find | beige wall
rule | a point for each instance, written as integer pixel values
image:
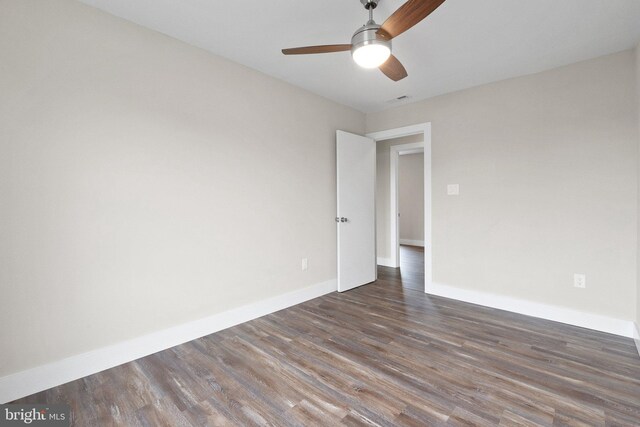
(145, 183)
(138, 177)
(383, 189)
(638, 249)
(411, 196)
(547, 167)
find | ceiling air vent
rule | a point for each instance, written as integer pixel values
(399, 99)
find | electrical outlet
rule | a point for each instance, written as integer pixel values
(580, 280)
(453, 189)
(305, 264)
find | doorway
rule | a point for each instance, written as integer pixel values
(411, 216)
(405, 252)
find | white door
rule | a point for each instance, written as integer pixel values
(356, 167)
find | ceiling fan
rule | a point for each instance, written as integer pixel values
(371, 44)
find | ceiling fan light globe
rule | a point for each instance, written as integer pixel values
(368, 48)
(371, 55)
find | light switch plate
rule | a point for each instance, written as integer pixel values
(453, 189)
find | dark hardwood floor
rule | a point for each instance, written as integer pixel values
(411, 272)
(381, 354)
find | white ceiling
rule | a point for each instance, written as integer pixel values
(462, 44)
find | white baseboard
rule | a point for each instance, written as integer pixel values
(40, 378)
(636, 336)
(386, 262)
(412, 242)
(544, 311)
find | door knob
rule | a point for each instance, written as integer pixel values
(343, 219)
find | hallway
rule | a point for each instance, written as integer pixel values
(410, 275)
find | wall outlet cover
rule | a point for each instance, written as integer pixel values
(453, 189)
(580, 280)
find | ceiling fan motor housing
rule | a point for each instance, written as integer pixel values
(369, 4)
(368, 34)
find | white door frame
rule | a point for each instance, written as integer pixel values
(425, 129)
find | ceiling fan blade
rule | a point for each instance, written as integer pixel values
(393, 69)
(327, 48)
(408, 15)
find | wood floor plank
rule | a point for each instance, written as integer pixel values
(385, 354)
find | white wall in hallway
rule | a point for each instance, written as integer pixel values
(383, 186)
(411, 198)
